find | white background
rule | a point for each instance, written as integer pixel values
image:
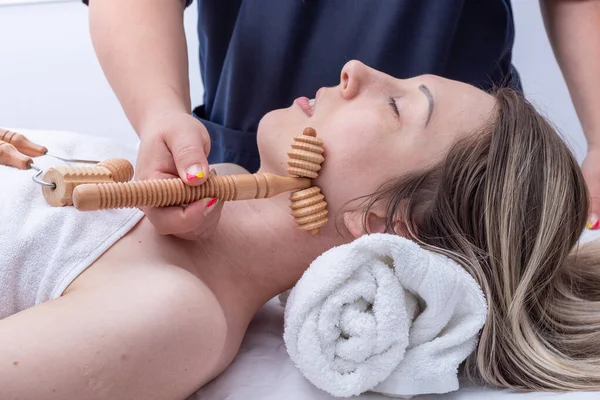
(50, 79)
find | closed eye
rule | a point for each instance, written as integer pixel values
(394, 106)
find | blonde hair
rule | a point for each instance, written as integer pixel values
(509, 204)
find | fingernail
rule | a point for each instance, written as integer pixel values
(194, 172)
(593, 222)
(212, 202)
(211, 205)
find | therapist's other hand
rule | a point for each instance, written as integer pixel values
(591, 172)
(176, 145)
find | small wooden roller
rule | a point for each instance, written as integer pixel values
(66, 179)
(308, 205)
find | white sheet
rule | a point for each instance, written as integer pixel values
(262, 370)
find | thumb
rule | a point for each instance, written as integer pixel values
(190, 157)
(593, 218)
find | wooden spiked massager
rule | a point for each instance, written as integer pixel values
(308, 206)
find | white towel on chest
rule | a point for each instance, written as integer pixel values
(43, 248)
(382, 314)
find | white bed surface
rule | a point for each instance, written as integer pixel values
(262, 370)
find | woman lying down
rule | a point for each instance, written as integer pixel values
(118, 311)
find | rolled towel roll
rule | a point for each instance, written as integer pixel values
(362, 309)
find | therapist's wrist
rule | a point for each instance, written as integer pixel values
(162, 123)
(158, 115)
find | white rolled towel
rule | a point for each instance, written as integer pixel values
(382, 314)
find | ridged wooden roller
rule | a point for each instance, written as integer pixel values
(67, 178)
(306, 156)
(171, 192)
(309, 208)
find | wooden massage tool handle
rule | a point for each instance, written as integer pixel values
(308, 204)
(67, 178)
(171, 192)
(10, 156)
(23, 144)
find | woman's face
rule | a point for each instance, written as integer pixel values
(375, 128)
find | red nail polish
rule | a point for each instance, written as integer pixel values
(593, 222)
(212, 202)
(190, 177)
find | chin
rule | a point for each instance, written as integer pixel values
(274, 138)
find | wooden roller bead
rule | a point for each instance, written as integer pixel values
(67, 178)
(306, 155)
(23, 144)
(309, 209)
(11, 157)
(171, 192)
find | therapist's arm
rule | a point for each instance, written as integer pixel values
(573, 27)
(142, 50)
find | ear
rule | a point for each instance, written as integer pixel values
(353, 220)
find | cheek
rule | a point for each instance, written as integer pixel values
(355, 140)
(352, 138)
(356, 153)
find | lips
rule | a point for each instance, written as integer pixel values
(305, 104)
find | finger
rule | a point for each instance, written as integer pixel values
(189, 154)
(593, 219)
(211, 222)
(188, 220)
(177, 220)
(212, 212)
(207, 233)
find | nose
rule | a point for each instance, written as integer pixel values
(355, 76)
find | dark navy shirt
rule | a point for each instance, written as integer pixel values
(259, 55)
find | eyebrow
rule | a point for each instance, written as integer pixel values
(427, 94)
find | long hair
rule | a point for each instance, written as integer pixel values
(509, 204)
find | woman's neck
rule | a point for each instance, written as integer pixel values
(258, 252)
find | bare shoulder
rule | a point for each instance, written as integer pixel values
(229, 169)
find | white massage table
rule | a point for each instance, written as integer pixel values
(262, 370)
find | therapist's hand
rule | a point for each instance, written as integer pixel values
(176, 145)
(591, 172)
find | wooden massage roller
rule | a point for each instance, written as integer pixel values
(66, 179)
(308, 206)
(16, 150)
